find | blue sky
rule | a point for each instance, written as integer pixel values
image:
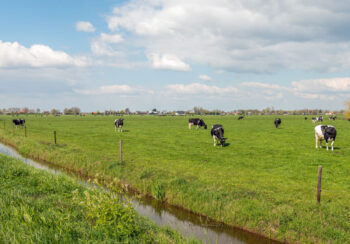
(174, 55)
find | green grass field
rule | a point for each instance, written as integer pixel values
(38, 207)
(264, 180)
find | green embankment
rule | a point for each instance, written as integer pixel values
(264, 180)
(38, 207)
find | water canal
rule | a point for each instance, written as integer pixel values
(187, 223)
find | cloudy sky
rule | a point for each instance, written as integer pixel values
(174, 54)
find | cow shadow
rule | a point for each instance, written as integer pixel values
(227, 144)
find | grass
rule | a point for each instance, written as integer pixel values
(264, 180)
(37, 207)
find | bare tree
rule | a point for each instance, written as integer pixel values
(347, 110)
(54, 111)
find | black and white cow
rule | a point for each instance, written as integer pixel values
(317, 119)
(119, 124)
(325, 132)
(332, 117)
(196, 121)
(18, 122)
(277, 122)
(217, 132)
(240, 117)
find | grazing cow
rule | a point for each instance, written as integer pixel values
(325, 132)
(317, 119)
(18, 122)
(305, 118)
(217, 132)
(332, 117)
(119, 124)
(240, 117)
(196, 121)
(277, 122)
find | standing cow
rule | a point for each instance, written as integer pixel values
(325, 132)
(240, 117)
(18, 122)
(119, 124)
(217, 132)
(277, 122)
(196, 121)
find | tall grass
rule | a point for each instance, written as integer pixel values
(264, 180)
(36, 207)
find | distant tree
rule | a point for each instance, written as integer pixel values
(26, 110)
(76, 110)
(38, 110)
(347, 110)
(54, 111)
(154, 110)
(71, 111)
(127, 111)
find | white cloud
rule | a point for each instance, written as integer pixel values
(242, 36)
(323, 85)
(205, 78)
(263, 85)
(103, 45)
(320, 89)
(84, 26)
(111, 38)
(167, 61)
(113, 89)
(12, 54)
(197, 88)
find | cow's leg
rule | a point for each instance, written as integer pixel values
(332, 144)
(115, 128)
(316, 140)
(197, 126)
(189, 125)
(214, 137)
(326, 145)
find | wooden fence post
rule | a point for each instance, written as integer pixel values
(319, 183)
(121, 151)
(54, 136)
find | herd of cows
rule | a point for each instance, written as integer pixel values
(327, 133)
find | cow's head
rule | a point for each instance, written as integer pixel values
(222, 141)
(201, 123)
(329, 133)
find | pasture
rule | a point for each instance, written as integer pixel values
(264, 180)
(38, 207)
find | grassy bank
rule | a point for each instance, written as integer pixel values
(37, 207)
(264, 180)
